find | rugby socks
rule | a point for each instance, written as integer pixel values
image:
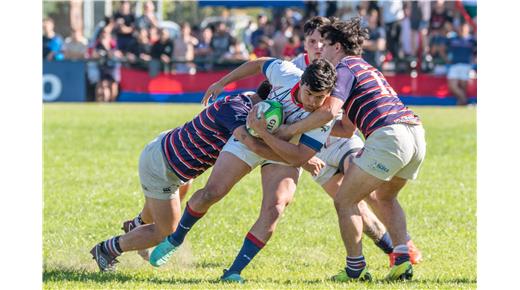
(188, 219)
(355, 265)
(401, 254)
(111, 247)
(385, 243)
(250, 248)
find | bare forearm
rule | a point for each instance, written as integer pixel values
(318, 118)
(290, 152)
(256, 145)
(247, 69)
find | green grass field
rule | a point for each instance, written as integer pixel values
(91, 185)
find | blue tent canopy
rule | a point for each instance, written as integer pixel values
(238, 4)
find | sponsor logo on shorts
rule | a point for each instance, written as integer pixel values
(167, 190)
(325, 128)
(379, 166)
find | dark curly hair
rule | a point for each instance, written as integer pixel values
(314, 23)
(350, 34)
(320, 76)
(264, 89)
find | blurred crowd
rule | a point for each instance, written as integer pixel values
(405, 36)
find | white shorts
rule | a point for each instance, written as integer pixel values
(245, 154)
(157, 179)
(459, 71)
(395, 150)
(333, 155)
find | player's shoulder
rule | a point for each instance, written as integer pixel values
(276, 67)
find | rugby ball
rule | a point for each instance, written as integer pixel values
(273, 113)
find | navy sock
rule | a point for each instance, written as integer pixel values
(111, 247)
(188, 219)
(401, 254)
(250, 248)
(355, 265)
(385, 243)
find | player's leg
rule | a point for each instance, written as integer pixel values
(166, 215)
(356, 185)
(227, 171)
(372, 227)
(160, 187)
(278, 186)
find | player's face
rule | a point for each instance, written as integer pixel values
(312, 100)
(329, 51)
(313, 45)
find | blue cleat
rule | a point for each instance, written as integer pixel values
(231, 277)
(162, 253)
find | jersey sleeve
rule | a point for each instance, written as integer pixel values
(281, 73)
(344, 83)
(315, 138)
(232, 115)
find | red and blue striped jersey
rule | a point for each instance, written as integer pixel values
(195, 146)
(370, 102)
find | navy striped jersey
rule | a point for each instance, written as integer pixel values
(194, 147)
(370, 101)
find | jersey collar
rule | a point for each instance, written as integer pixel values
(294, 90)
(306, 58)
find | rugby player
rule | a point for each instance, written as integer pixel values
(168, 162)
(393, 153)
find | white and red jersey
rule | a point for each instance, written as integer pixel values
(301, 61)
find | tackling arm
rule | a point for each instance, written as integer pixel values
(256, 145)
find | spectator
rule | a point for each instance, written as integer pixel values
(281, 38)
(148, 19)
(247, 33)
(419, 20)
(52, 42)
(439, 16)
(203, 50)
(139, 52)
(153, 35)
(106, 53)
(75, 47)
(237, 52)
(184, 50)
(461, 52)
(260, 31)
(347, 10)
(406, 31)
(124, 21)
(392, 15)
(221, 41)
(293, 47)
(374, 47)
(161, 53)
(263, 48)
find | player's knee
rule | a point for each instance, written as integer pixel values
(162, 231)
(213, 193)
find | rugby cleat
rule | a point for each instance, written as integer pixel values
(413, 251)
(400, 272)
(105, 262)
(162, 253)
(343, 277)
(128, 226)
(231, 277)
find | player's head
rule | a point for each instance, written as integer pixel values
(342, 38)
(316, 84)
(313, 43)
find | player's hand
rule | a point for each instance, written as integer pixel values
(255, 123)
(212, 92)
(284, 132)
(314, 165)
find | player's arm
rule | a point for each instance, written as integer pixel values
(343, 128)
(255, 144)
(316, 119)
(247, 69)
(295, 155)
